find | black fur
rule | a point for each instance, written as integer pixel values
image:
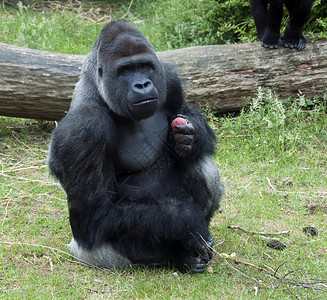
(138, 193)
(267, 21)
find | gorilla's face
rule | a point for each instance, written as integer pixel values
(130, 77)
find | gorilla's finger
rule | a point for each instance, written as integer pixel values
(186, 139)
(185, 128)
(182, 150)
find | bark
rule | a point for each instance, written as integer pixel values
(37, 84)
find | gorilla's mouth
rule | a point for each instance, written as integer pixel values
(145, 101)
(143, 108)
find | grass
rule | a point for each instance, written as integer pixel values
(272, 156)
(273, 159)
(72, 26)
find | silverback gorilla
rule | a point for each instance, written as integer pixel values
(268, 22)
(140, 192)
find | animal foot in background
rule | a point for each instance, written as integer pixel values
(270, 41)
(298, 44)
(269, 46)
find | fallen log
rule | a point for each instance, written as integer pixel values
(37, 84)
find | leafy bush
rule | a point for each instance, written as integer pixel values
(51, 30)
(317, 23)
(70, 27)
(278, 127)
(193, 22)
(204, 22)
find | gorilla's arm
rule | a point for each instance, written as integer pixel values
(202, 137)
(77, 159)
(82, 158)
(196, 139)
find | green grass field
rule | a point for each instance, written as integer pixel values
(272, 157)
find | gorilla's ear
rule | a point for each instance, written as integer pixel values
(100, 70)
(99, 65)
(98, 47)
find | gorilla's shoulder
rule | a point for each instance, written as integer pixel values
(88, 122)
(170, 70)
(175, 94)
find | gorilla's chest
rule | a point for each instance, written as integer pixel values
(141, 144)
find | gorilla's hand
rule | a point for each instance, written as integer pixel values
(184, 137)
(198, 255)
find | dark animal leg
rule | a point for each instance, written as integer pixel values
(259, 12)
(293, 37)
(271, 37)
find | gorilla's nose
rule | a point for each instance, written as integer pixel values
(142, 87)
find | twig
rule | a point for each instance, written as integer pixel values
(105, 292)
(238, 262)
(273, 188)
(238, 270)
(127, 12)
(241, 191)
(50, 261)
(79, 261)
(313, 284)
(29, 261)
(314, 150)
(25, 196)
(259, 233)
(4, 7)
(23, 178)
(29, 148)
(236, 136)
(230, 265)
(24, 168)
(97, 291)
(279, 267)
(6, 212)
(305, 284)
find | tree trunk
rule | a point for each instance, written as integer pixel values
(39, 85)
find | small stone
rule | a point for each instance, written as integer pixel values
(274, 244)
(310, 230)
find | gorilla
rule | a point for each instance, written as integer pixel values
(268, 22)
(135, 161)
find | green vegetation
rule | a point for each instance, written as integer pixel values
(273, 159)
(73, 26)
(272, 156)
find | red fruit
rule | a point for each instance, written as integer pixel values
(177, 121)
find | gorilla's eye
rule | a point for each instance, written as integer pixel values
(125, 70)
(100, 71)
(147, 66)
